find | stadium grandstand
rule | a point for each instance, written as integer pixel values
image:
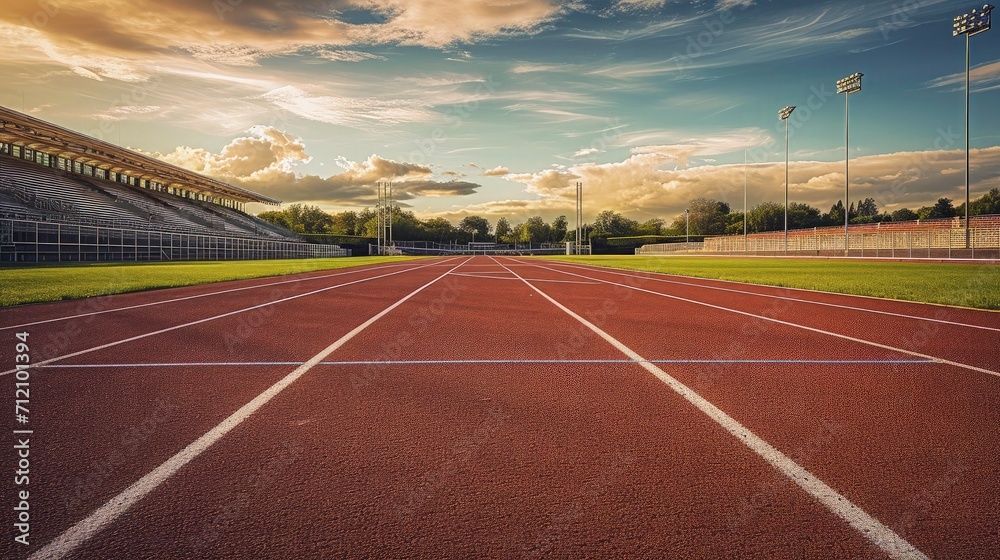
(66, 196)
(935, 238)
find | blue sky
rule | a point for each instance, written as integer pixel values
(497, 108)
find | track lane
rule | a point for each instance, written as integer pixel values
(912, 441)
(95, 522)
(484, 460)
(56, 342)
(99, 429)
(864, 304)
(908, 335)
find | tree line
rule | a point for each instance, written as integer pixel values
(706, 217)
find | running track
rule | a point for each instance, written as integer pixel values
(507, 408)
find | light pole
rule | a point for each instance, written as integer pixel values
(579, 217)
(745, 201)
(687, 226)
(378, 217)
(847, 86)
(972, 23)
(783, 115)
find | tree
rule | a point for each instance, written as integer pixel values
(942, 209)
(867, 207)
(989, 203)
(536, 230)
(836, 214)
(651, 227)
(438, 229)
(734, 223)
(503, 231)
(560, 229)
(708, 217)
(344, 223)
(801, 216)
(767, 216)
(300, 218)
(904, 215)
(612, 224)
(476, 225)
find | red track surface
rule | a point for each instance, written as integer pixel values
(521, 432)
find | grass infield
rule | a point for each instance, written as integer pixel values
(35, 284)
(967, 285)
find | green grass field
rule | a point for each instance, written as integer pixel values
(968, 285)
(19, 285)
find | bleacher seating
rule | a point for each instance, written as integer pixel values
(30, 191)
(49, 193)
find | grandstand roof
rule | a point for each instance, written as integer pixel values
(18, 128)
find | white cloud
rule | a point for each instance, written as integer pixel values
(346, 55)
(641, 186)
(498, 171)
(361, 113)
(266, 159)
(585, 152)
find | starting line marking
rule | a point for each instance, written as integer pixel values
(869, 527)
(100, 518)
(459, 362)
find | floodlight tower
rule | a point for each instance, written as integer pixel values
(847, 86)
(783, 115)
(972, 23)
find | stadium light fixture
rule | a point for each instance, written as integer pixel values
(973, 23)
(847, 86)
(783, 115)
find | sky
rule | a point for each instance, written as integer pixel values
(498, 107)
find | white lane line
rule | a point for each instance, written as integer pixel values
(207, 319)
(485, 361)
(83, 530)
(786, 323)
(485, 275)
(872, 529)
(825, 304)
(186, 298)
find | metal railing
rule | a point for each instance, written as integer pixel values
(26, 241)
